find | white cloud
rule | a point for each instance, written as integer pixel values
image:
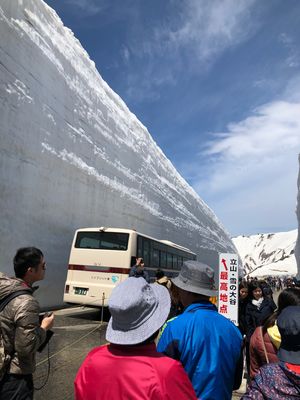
(211, 27)
(125, 54)
(250, 176)
(88, 7)
(201, 30)
(274, 127)
(293, 58)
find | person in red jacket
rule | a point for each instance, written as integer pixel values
(130, 366)
(265, 340)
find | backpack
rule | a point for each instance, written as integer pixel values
(5, 358)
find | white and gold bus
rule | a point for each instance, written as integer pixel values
(100, 258)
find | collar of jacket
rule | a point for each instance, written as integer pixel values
(203, 305)
(25, 285)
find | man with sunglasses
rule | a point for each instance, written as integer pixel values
(21, 330)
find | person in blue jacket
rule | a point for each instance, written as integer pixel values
(206, 343)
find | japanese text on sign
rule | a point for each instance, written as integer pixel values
(228, 286)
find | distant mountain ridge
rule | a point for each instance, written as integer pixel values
(268, 253)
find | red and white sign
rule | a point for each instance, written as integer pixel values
(229, 286)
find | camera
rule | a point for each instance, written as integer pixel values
(46, 314)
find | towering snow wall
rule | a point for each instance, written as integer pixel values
(73, 155)
(297, 248)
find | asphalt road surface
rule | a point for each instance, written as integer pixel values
(76, 332)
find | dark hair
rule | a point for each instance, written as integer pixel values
(288, 297)
(159, 274)
(26, 257)
(253, 286)
(243, 285)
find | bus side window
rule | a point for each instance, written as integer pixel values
(175, 261)
(169, 260)
(155, 258)
(163, 259)
(146, 245)
(139, 251)
(180, 261)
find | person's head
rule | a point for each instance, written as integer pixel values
(255, 290)
(289, 282)
(243, 290)
(29, 264)
(288, 297)
(159, 274)
(195, 282)
(288, 324)
(138, 310)
(140, 263)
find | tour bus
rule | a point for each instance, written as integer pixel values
(100, 258)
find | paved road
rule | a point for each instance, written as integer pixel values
(76, 333)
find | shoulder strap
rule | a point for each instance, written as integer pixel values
(263, 343)
(11, 296)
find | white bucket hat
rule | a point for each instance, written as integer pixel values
(138, 309)
(196, 277)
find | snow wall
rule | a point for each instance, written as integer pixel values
(73, 155)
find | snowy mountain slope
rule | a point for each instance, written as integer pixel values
(73, 155)
(268, 254)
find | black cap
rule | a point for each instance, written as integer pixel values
(288, 324)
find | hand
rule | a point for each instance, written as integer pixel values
(139, 261)
(47, 321)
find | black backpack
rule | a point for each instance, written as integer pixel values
(4, 356)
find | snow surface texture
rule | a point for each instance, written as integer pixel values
(73, 155)
(268, 254)
(297, 248)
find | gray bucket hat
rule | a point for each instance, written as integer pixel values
(138, 309)
(196, 277)
(288, 324)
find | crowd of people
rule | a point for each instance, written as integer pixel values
(275, 282)
(166, 340)
(208, 348)
(271, 332)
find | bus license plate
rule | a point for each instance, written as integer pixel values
(82, 291)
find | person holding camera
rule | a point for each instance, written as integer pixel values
(138, 270)
(21, 330)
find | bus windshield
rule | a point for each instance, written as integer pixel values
(102, 240)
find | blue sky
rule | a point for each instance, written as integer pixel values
(217, 84)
